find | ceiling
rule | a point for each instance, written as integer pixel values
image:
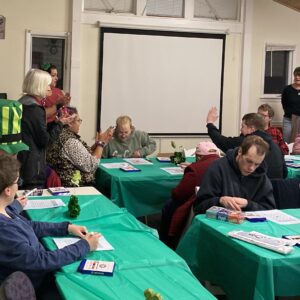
(294, 4)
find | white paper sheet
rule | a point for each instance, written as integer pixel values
(292, 157)
(41, 204)
(103, 244)
(276, 216)
(117, 165)
(173, 170)
(138, 161)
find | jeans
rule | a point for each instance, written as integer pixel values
(287, 129)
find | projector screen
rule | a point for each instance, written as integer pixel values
(165, 81)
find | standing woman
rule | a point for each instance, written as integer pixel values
(34, 132)
(290, 101)
(57, 98)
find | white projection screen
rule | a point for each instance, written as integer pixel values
(165, 81)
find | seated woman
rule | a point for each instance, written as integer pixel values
(72, 159)
(129, 142)
(176, 211)
(20, 247)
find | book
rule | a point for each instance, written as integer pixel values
(263, 240)
(59, 191)
(294, 238)
(130, 168)
(163, 159)
(36, 192)
(97, 267)
(293, 165)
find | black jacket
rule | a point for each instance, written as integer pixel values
(276, 167)
(223, 178)
(36, 136)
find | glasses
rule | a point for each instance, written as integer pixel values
(19, 182)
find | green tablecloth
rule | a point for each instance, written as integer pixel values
(294, 172)
(242, 270)
(142, 193)
(142, 261)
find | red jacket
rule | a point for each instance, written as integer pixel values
(184, 192)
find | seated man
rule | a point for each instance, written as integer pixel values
(20, 248)
(254, 124)
(238, 181)
(267, 112)
(128, 142)
(176, 211)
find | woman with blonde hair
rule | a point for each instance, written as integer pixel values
(35, 134)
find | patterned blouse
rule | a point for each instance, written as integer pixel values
(70, 155)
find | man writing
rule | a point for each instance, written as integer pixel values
(238, 181)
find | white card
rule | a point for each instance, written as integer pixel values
(41, 204)
(103, 244)
(174, 170)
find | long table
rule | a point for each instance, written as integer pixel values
(142, 193)
(142, 261)
(242, 270)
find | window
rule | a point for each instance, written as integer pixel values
(217, 9)
(109, 6)
(52, 48)
(166, 8)
(278, 68)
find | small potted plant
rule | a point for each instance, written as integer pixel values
(178, 156)
(73, 207)
(151, 295)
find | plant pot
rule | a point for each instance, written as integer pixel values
(178, 157)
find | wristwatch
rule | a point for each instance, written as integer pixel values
(100, 144)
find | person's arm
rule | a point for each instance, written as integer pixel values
(281, 143)
(80, 157)
(50, 111)
(222, 142)
(265, 199)
(27, 254)
(148, 145)
(210, 191)
(284, 99)
(186, 187)
(102, 140)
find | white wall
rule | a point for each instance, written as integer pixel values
(39, 15)
(270, 23)
(273, 24)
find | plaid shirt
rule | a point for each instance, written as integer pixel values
(278, 139)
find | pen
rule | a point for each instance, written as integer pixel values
(30, 192)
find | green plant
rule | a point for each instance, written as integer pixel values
(178, 156)
(151, 295)
(76, 178)
(73, 207)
